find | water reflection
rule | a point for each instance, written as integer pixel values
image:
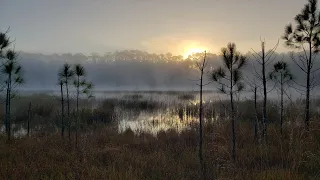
(153, 123)
(180, 112)
(140, 111)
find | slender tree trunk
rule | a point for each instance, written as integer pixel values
(62, 111)
(68, 111)
(307, 109)
(9, 108)
(77, 119)
(201, 126)
(232, 117)
(256, 114)
(78, 92)
(29, 119)
(6, 110)
(264, 81)
(281, 111)
(233, 128)
(9, 116)
(201, 120)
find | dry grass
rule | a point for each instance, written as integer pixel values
(105, 154)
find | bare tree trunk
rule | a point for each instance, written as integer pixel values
(9, 116)
(201, 65)
(264, 81)
(6, 110)
(78, 84)
(9, 108)
(281, 111)
(203, 169)
(233, 128)
(307, 109)
(29, 119)
(200, 126)
(68, 111)
(62, 110)
(7, 113)
(256, 114)
(232, 117)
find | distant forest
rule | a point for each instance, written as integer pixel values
(131, 69)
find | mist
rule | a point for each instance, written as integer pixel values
(133, 70)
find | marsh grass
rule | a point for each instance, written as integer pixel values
(133, 96)
(105, 153)
(186, 97)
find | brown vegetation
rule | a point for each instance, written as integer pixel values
(105, 154)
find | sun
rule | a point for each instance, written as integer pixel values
(192, 50)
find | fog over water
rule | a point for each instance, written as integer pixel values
(134, 70)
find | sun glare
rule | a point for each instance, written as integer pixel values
(192, 50)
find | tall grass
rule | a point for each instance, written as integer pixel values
(105, 153)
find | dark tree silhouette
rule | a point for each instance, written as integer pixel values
(65, 75)
(281, 75)
(201, 66)
(4, 43)
(62, 107)
(230, 79)
(254, 85)
(305, 36)
(264, 59)
(83, 87)
(11, 71)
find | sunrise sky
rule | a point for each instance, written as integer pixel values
(156, 26)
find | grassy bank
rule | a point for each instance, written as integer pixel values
(106, 154)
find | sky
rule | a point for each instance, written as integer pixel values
(156, 26)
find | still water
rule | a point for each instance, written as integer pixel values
(176, 111)
(148, 111)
